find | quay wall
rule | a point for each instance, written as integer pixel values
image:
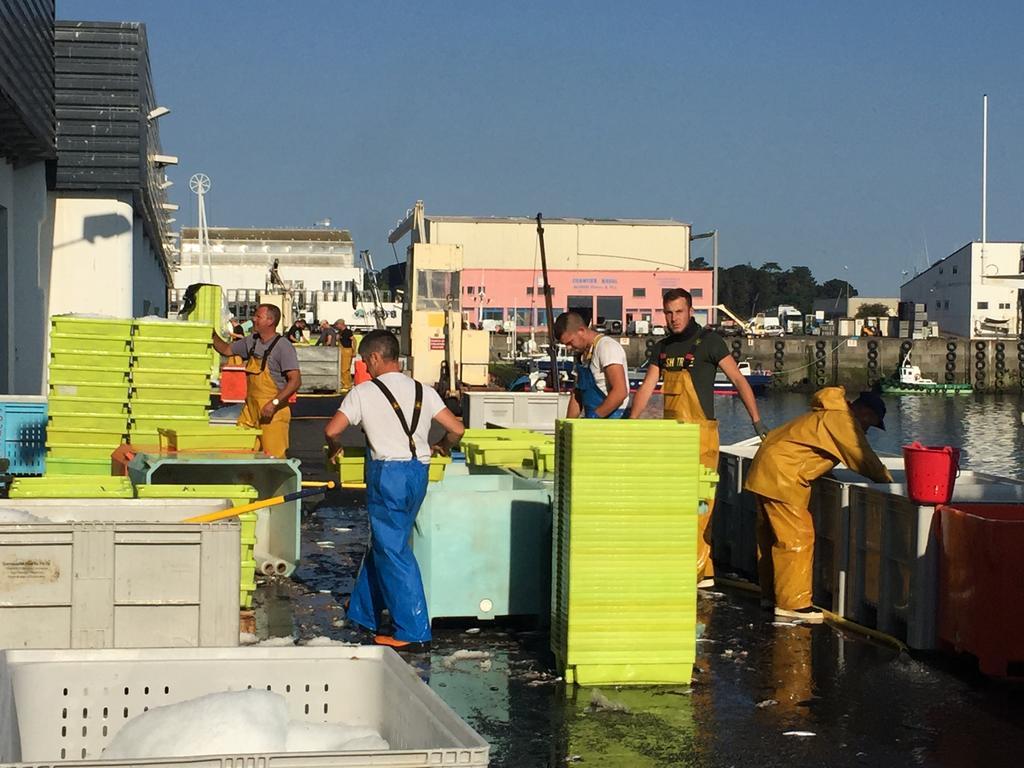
(809, 362)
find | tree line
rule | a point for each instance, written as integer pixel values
(747, 289)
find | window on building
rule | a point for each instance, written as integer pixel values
(1005, 306)
(492, 313)
(470, 289)
(639, 293)
(697, 293)
(940, 270)
(954, 270)
(946, 305)
(542, 315)
(529, 291)
(540, 290)
(326, 286)
(982, 305)
(339, 286)
(524, 317)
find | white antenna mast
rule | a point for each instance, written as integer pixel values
(984, 175)
(200, 185)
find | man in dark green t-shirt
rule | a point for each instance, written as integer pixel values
(687, 359)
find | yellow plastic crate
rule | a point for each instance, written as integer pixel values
(103, 406)
(113, 327)
(352, 468)
(144, 375)
(237, 494)
(182, 362)
(71, 487)
(151, 409)
(169, 345)
(88, 374)
(97, 451)
(172, 393)
(56, 466)
(77, 342)
(180, 330)
(209, 438)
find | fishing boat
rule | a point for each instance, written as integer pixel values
(757, 379)
(909, 381)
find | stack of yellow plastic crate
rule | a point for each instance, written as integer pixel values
(502, 447)
(88, 402)
(624, 551)
(170, 384)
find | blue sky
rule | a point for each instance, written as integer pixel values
(816, 133)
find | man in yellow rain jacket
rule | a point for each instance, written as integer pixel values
(787, 462)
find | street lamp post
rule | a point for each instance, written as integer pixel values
(713, 234)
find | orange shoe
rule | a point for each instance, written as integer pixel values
(400, 645)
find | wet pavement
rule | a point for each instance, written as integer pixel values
(764, 693)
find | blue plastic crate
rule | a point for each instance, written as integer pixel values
(23, 434)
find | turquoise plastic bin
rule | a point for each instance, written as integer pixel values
(483, 543)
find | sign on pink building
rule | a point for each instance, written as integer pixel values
(623, 295)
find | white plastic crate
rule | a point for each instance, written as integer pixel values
(104, 582)
(69, 705)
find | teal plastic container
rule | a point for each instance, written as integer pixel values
(483, 544)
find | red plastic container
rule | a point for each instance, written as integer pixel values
(981, 590)
(931, 472)
(361, 373)
(232, 384)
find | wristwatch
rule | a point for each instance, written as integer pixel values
(275, 401)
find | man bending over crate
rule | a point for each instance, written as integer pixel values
(395, 412)
(786, 463)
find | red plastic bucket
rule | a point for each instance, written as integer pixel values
(931, 472)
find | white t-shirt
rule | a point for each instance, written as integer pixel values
(607, 352)
(365, 404)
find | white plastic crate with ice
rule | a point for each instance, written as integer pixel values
(68, 705)
(118, 573)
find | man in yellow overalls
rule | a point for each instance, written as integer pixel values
(272, 377)
(688, 359)
(788, 461)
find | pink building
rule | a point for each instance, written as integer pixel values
(623, 295)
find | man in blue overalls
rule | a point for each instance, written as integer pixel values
(602, 391)
(395, 412)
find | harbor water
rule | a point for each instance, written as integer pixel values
(987, 428)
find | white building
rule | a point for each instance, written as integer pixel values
(316, 263)
(972, 292)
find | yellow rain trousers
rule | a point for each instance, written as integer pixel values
(682, 404)
(787, 462)
(260, 390)
(347, 353)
